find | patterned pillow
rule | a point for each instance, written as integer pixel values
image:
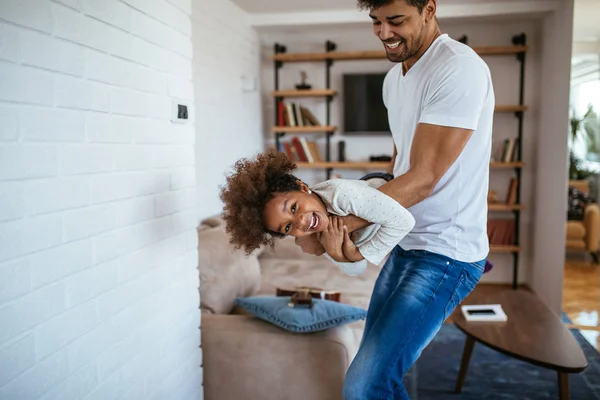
(577, 203)
(324, 314)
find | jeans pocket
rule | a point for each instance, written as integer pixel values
(472, 275)
(464, 285)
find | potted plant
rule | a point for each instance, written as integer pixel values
(591, 128)
(583, 127)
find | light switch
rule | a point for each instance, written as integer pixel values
(180, 111)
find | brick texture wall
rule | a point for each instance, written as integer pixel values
(229, 121)
(98, 249)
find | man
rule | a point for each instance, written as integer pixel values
(440, 103)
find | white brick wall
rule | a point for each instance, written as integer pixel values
(228, 119)
(98, 280)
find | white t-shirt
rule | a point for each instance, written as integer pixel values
(449, 85)
(390, 221)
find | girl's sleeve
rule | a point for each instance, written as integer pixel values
(360, 199)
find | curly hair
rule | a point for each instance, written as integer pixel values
(375, 4)
(253, 183)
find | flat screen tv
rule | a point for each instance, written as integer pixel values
(364, 111)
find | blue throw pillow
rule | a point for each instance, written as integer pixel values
(324, 314)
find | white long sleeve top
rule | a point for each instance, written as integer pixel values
(390, 220)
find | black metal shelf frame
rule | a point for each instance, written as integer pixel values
(329, 47)
(519, 40)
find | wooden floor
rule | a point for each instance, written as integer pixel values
(581, 297)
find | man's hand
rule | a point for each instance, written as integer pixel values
(310, 244)
(332, 239)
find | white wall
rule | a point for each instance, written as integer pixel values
(228, 122)
(551, 186)
(505, 75)
(98, 279)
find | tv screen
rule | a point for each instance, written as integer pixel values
(364, 111)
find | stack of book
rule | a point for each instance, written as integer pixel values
(298, 149)
(293, 114)
(502, 231)
(507, 152)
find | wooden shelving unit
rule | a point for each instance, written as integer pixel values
(345, 165)
(504, 207)
(505, 249)
(382, 165)
(519, 50)
(304, 93)
(513, 164)
(380, 54)
(303, 129)
(509, 108)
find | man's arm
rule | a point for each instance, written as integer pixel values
(434, 149)
(390, 169)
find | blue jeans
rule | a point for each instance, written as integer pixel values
(414, 294)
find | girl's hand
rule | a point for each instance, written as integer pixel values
(332, 239)
(350, 250)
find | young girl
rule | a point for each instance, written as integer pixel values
(264, 201)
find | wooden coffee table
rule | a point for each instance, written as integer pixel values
(533, 334)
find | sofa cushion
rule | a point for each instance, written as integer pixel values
(323, 314)
(575, 245)
(225, 273)
(321, 273)
(307, 270)
(575, 230)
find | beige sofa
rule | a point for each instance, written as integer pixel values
(584, 235)
(247, 358)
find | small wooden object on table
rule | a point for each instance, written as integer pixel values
(304, 295)
(532, 333)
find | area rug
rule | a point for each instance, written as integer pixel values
(492, 375)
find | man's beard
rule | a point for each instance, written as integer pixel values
(408, 51)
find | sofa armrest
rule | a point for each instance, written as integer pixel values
(591, 220)
(247, 358)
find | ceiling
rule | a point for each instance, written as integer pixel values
(290, 6)
(274, 6)
(586, 27)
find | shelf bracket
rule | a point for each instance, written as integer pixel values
(278, 136)
(278, 49)
(329, 171)
(329, 47)
(520, 40)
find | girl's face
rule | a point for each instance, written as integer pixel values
(296, 213)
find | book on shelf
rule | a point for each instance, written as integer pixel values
(507, 152)
(511, 196)
(303, 154)
(501, 232)
(299, 149)
(293, 114)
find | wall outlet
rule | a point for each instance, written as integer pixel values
(249, 84)
(180, 111)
